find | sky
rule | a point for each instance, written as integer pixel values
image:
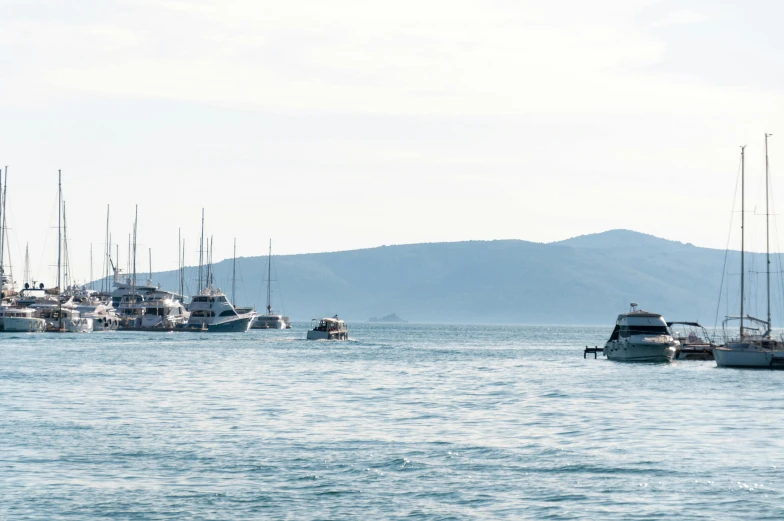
(347, 124)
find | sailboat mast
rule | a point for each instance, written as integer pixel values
(742, 232)
(91, 266)
(269, 279)
(59, 247)
(150, 253)
(201, 251)
(234, 273)
(2, 214)
(3, 190)
(179, 258)
(767, 227)
(27, 264)
(133, 279)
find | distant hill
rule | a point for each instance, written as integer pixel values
(585, 280)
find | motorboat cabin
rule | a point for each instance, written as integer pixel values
(328, 329)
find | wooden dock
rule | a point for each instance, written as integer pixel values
(595, 350)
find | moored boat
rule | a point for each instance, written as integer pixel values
(754, 347)
(640, 336)
(22, 320)
(695, 342)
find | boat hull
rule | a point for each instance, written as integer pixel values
(24, 325)
(238, 325)
(79, 325)
(327, 335)
(748, 358)
(639, 352)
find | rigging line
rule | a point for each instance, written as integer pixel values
(726, 251)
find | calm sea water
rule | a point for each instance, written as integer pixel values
(405, 422)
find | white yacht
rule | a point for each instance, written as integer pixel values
(753, 347)
(63, 318)
(211, 311)
(328, 329)
(271, 320)
(163, 310)
(21, 320)
(130, 310)
(640, 336)
(103, 316)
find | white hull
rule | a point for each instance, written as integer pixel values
(79, 325)
(639, 351)
(24, 325)
(748, 356)
(261, 322)
(327, 335)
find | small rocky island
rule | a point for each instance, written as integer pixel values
(388, 318)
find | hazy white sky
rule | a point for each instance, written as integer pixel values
(345, 124)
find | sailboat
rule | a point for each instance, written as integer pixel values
(754, 346)
(61, 316)
(270, 319)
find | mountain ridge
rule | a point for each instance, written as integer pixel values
(588, 279)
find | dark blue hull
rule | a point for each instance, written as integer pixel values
(240, 325)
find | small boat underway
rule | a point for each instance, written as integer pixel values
(328, 329)
(640, 336)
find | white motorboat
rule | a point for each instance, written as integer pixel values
(328, 329)
(754, 347)
(270, 321)
(211, 311)
(103, 316)
(22, 320)
(640, 336)
(695, 342)
(63, 318)
(163, 310)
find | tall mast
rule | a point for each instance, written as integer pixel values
(767, 227)
(269, 279)
(209, 263)
(179, 258)
(2, 219)
(91, 265)
(135, 221)
(150, 253)
(59, 247)
(201, 251)
(742, 232)
(27, 264)
(182, 272)
(2, 214)
(234, 274)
